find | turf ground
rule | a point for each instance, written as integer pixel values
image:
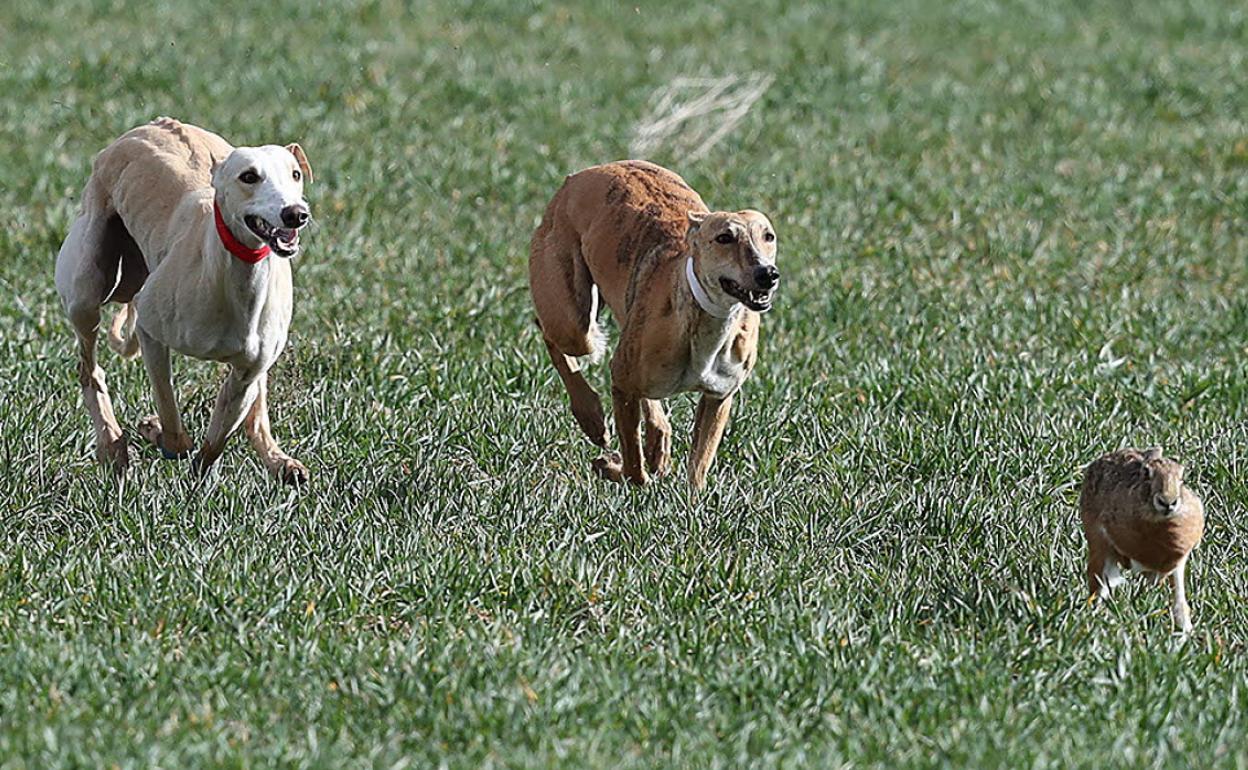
(1012, 238)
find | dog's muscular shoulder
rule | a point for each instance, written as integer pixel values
(146, 172)
(622, 213)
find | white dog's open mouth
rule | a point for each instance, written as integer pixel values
(758, 301)
(284, 241)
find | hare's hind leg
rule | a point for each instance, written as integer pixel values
(1103, 572)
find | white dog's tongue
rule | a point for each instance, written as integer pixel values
(287, 236)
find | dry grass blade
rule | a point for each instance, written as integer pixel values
(693, 114)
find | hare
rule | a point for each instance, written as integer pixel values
(1138, 514)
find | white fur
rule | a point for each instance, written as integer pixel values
(719, 308)
(202, 301)
(1179, 611)
(597, 337)
(713, 368)
(276, 189)
(1111, 576)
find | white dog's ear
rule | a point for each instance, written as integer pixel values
(302, 158)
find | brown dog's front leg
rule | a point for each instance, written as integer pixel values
(628, 425)
(658, 437)
(708, 429)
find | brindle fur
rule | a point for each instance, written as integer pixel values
(625, 230)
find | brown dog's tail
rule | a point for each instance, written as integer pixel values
(121, 336)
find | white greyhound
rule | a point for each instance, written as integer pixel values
(180, 227)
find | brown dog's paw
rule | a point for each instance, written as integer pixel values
(658, 453)
(293, 472)
(610, 467)
(592, 425)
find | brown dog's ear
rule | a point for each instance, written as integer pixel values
(302, 158)
(696, 218)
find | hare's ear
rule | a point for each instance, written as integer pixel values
(1152, 453)
(696, 218)
(302, 159)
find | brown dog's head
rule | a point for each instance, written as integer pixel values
(735, 256)
(1165, 477)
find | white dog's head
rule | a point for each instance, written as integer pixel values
(260, 192)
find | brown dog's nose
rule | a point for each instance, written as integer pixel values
(295, 215)
(766, 276)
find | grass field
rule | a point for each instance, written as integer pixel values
(1012, 236)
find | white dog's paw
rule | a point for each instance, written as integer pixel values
(291, 471)
(171, 447)
(115, 454)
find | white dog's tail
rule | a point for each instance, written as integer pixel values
(121, 336)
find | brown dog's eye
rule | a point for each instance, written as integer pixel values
(297, 175)
(769, 237)
(725, 238)
(249, 177)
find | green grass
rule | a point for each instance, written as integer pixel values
(1012, 238)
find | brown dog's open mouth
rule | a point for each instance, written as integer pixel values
(758, 301)
(284, 241)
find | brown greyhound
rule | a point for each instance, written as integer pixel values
(686, 286)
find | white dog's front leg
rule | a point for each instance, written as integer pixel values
(237, 394)
(165, 429)
(256, 424)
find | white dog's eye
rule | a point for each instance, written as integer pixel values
(297, 175)
(769, 237)
(725, 238)
(249, 177)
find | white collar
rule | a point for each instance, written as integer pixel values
(702, 298)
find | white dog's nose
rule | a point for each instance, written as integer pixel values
(295, 215)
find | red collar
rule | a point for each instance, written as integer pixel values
(232, 244)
